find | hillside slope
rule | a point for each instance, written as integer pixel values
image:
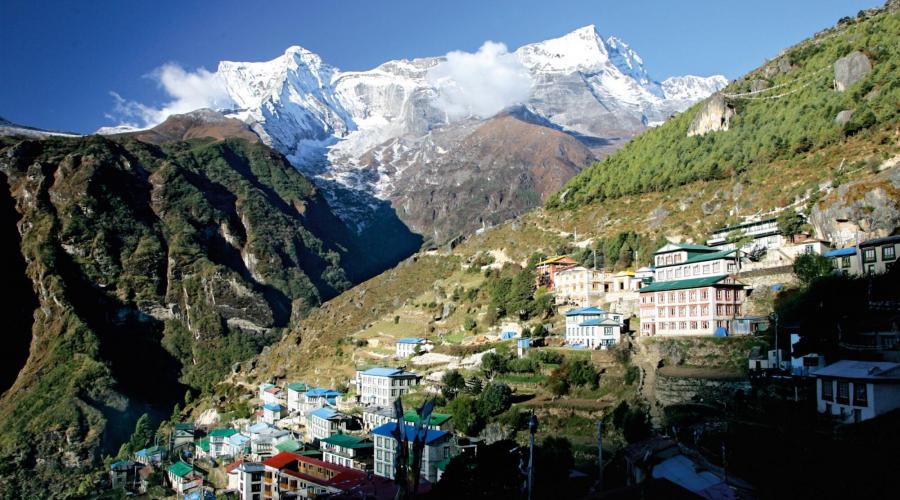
(153, 269)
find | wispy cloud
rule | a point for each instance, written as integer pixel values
(479, 84)
(188, 90)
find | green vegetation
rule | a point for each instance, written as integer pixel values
(812, 266)
(763, 133)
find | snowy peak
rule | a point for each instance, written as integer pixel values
(580, 50)
(691, 87)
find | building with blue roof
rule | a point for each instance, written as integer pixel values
(236, 445)
(523, 346)
(271, 412)
(317, 397)
(593, 327)
(439, 446)
(407, 346)
(381, 386)
(323, 423)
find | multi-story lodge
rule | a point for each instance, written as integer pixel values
(593, 327)
(693, 294)
(381, 386)
(765, 234)
(288, 475)
(325, 422)
(581, 286)
(295, 392)
(407, 346)
(874, 256)
(438, 447)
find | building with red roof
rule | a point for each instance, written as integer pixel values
(305, 476)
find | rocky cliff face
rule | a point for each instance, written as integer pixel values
(153, 269)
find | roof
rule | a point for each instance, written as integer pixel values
(222, 432)
(387, 430)
(122, 465)
(645, 449)
(411, 340)
(180, 468)
(864, 370)
(251, 467)
(524, 342)
(203, 444)
(326, 413)
(507, 335)
(693, 248)
(840, 252)
(742, 225)
(682, 471)
(707, 256)
(233, 465)
(661, 286)
(384, 411)
(288, 445)
(599, 322)
(184, 426)
(265, 386)
(436, 418)
(321, 392)
(297, 387)
(348, 441)
(386, 372)
(272, 406)
(586, 311)
(881, 241)
(153, 450)
(238, 440)
(561, 260)
(273, 390)
(344, 479)
(257, 428)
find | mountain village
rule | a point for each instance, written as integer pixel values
(315, 442)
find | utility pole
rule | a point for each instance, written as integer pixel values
(600, 454)
(532, 429)
(777, 350)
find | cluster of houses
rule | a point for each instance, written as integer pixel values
(304, 442)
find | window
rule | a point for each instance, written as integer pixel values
(845, 261)
(843, 395)
(704, 325)
(703, 295)
(808, 249)
(869, 255)
(715, 267)
(888, 252)
(860, 394)
(870, 269)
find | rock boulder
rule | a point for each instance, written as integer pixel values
(850, 69)
(714, 116)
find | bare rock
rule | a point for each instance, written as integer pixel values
(714, 116)
(758, 84)
(850, 69)
(843, 117)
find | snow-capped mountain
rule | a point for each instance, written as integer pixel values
(339, 126)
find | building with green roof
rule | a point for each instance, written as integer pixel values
(355, 452)
(438, 421)
(290, 445)
(183, 477)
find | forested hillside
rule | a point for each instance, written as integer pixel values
(786, 111)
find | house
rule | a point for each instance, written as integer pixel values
(581, 286)
(295, 393)
(201, 448)
(123, 474)
(272, 395)
(855, 391)
(236, 445)
(803, 365)
(408, 346)
(263, 388)
(233, 476)
(439, 446)
(845, 261)
(249, 480)
(217, 441)
(545, 270)
(878, 255)
(183, 434)
(350, 451)
(291, 445)
(289, 475)
(324, 422)
(150, 456)
(267, 443)
(375, 415)
(748, 325)
(680, 261)
(272, 412)
(760, 361)
(523, 346)
(183, 478)
(593, 327)
(381, 386)
(317, 397)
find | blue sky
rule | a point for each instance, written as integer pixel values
(61, 59)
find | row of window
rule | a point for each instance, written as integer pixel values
(860, 393)
(688, 325)
(888, 253)
(689, 296)
(695, 270)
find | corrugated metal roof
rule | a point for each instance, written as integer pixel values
(869, 370)
(661, 286)
(430, 436)
(841, 252)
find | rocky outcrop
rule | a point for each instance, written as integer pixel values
(843, 116)
(714, 116)
(864, 209)
(850, 69)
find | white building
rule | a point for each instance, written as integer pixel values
(764, 234)
(593, 327)
(272, 412)
(349, 451)
(381, 386)
(855, 391)
(581, 286)
(317, 397)
(217, 441)
(439, 446)
(408, 346)
(269, 393)
(374, 415)
(325, 422)
(250, 480)
(236, 445)
(295, 393)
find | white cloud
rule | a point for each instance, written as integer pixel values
(188, 91)
(479, 84)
